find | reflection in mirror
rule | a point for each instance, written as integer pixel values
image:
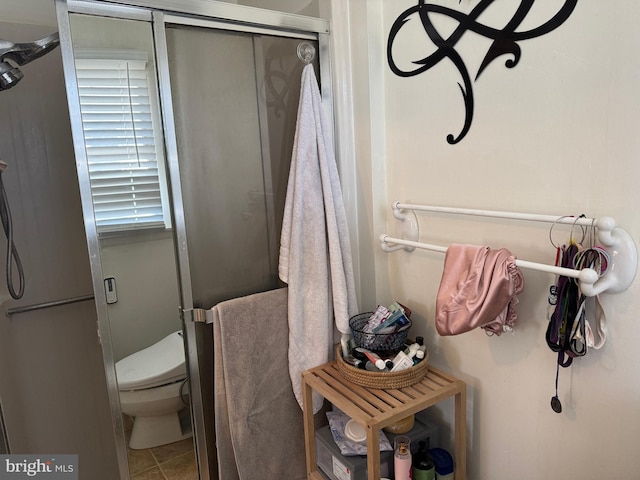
(128, 187)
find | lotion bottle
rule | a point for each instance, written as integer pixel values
(402, 458)
(423, 466)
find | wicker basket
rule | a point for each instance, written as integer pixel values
(365, 378)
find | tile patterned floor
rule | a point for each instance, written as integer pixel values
(175, 461)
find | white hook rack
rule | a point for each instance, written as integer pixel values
(616, 241)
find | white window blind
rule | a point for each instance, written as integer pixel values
(123, 149)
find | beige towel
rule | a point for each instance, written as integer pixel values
(259, 427)
(315, 254)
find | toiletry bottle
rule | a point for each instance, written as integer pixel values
(411, 350)
(401, 361)
(423, 466)
(354, 362)
(373, 358)
(402, 458)
(371, 367)
(443, 462)
(421, 348)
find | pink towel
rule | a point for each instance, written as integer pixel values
(478, 289)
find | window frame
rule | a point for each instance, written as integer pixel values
(89, 56)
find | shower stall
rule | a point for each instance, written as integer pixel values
(206, 113)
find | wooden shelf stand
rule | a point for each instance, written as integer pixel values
(377, 408)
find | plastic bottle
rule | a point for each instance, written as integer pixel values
(444, 463)
(421, 349)
(374, 358)
(411, 350)
(402, 458)
(353, 361)
(423, 466)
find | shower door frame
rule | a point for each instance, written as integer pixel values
(202, 13)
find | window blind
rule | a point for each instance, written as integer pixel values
(120, 141)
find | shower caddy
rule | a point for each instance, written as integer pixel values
(623, 254)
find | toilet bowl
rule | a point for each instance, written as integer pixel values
(150, 383)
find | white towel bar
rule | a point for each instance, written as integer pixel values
(618, 243)
(40, 306)
(586, 275)
(604, 222)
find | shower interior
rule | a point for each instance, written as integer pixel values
(12, 57)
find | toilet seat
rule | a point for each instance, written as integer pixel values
(159, 364)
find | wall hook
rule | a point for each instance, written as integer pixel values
(306, 52)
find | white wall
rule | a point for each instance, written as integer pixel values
(147, 285)
(556, 134)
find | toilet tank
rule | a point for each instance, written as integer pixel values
(159, 364)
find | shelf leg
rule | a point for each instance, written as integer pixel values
(309, 427)
(461, 434)
(373, 453)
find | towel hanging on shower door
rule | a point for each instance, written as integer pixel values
(315, 254)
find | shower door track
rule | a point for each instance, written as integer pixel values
(242, 16)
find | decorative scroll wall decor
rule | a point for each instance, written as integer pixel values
(505, 42)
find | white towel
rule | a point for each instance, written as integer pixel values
(315, 255)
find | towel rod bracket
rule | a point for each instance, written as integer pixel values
(623, 266)
(197, 315)
(410, 230)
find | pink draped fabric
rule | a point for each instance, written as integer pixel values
(478, 289)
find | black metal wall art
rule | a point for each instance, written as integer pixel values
(505, 42)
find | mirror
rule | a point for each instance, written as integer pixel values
(120, 116)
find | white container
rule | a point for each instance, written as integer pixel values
(355, 432)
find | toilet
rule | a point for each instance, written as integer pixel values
(150, 382)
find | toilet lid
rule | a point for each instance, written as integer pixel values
(159, 364)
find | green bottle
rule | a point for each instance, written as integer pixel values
(423, 466)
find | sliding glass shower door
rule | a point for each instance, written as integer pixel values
(235, 99)
(217, 84)
(234, 96)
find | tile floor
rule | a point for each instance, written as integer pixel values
(175, 461)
